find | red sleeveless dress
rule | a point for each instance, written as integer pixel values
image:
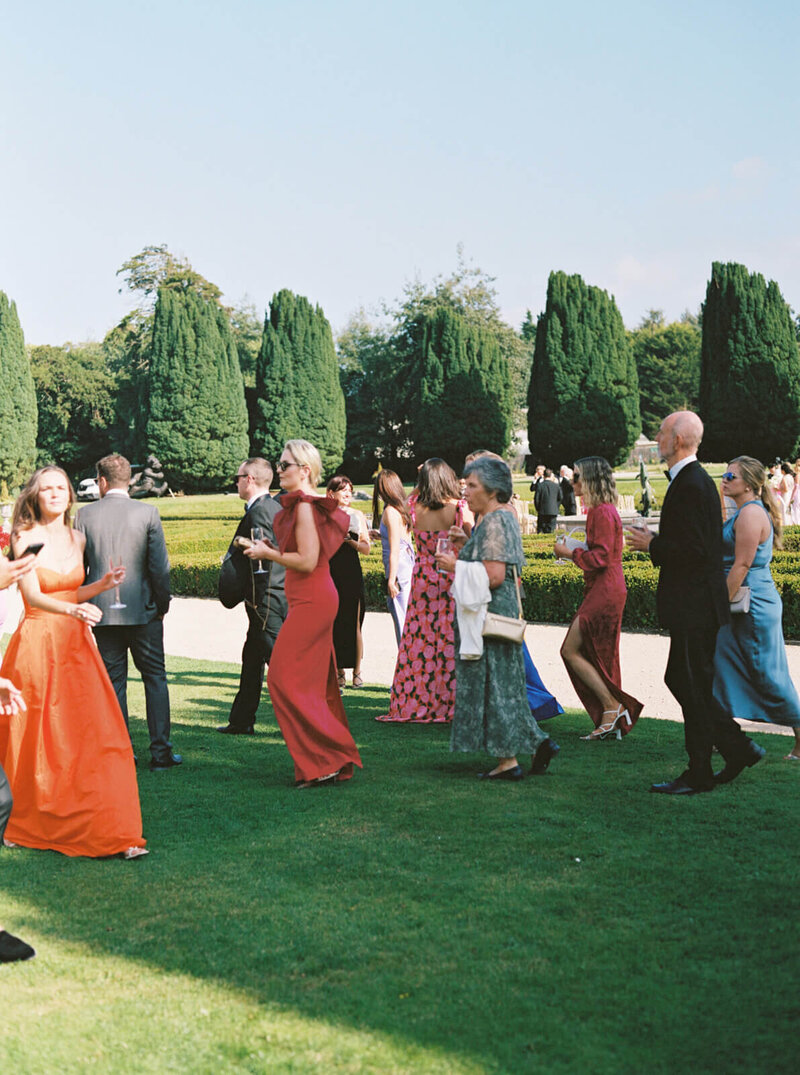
(302, 676)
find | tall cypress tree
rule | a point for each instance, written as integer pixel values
(750, 368)
(465, 398)
(198, 420)
(18, 416)
(584, 393)
(298, 393)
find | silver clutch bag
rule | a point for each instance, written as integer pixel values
(740, 602)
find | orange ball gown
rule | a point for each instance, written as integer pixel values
(302, 676)
(68, 756)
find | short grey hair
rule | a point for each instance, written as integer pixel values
(493, 474)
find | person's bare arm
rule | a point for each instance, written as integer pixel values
(750, 529)
(307, 538)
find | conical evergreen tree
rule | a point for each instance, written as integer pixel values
(750, 368)
(18, 417)
(465, 395)
(584, 393)
(198, 420)
(298, 393)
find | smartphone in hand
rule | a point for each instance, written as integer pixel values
(33, 549)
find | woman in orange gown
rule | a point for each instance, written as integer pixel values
(302, 675)
(68, 758)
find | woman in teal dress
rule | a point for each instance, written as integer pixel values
(751, 674)
(491, 707)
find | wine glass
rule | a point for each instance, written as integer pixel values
(257, 534)
(115, 562)
(444, 546)
(561, 533)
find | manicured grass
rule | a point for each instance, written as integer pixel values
(413, 920)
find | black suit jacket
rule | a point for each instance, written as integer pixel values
(688, 550)
(237, 578)
(568, 497)
(547, 497)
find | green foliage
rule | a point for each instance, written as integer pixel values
(127, 346)
(464, 388)
(298, 392)
(18, 416)
(750, 374)
(376, 395)
(197, 423)
(246, 331)
(668, 366)
(75, 395)
(584, 394)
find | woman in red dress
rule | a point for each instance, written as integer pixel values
(302, 675)
(591, 648)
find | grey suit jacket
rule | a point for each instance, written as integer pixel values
(132, 531)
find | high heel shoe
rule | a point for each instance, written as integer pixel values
(610, 728)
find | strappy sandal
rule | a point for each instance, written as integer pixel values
(357, 680)
(134, 853)
(610, 729)
(342, 681)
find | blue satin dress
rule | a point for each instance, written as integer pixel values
(751, 673)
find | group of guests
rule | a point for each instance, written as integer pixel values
(67, 759)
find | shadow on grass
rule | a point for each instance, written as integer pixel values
(568, 923)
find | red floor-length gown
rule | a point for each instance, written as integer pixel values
(68, 756)
(600, 613)
(302, 675)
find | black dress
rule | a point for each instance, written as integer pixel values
(348, 579)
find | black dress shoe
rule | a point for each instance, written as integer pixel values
(545, 753)
(678, 787)
(751, 757)
(166, 763)
(235, 729)
(515, 773)
(13, 949)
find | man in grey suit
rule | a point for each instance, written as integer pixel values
(130, 532)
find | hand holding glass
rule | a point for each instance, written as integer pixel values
(444, 547)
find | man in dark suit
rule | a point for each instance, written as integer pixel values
(546, 500)
(692, 602)
(263, 594)
(130, 532)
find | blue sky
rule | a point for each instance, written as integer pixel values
(342, 149)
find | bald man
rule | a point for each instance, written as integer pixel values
(692, 602)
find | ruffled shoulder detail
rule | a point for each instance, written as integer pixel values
(332, 523)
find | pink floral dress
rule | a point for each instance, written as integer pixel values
(424, 685)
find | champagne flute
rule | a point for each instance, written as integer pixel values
(444, 546)
(115, 562)
(561, 534)
(257, 534)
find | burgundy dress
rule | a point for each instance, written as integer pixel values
(302, 670)
(600, 614)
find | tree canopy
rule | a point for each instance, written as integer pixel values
(18, 413)
(584, 392)
(668, 367)
(750, 368)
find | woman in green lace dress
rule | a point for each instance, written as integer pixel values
(491, 711)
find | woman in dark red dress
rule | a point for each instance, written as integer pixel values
(591, 648)
(302, 670)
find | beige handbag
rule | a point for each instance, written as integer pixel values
(740, 602)
(506, 628)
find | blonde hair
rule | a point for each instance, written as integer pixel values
(26, 509)
(306, 455)
(754, 476)
(597, 479)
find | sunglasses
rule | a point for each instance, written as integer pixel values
(576, 477)
(729, 476)
(283, 464)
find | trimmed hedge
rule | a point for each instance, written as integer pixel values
(552, 592)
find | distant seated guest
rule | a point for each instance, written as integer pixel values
(546, 500)
(567, 492)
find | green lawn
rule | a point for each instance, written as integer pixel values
(413, 920)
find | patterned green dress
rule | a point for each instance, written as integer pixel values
(492, 712)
